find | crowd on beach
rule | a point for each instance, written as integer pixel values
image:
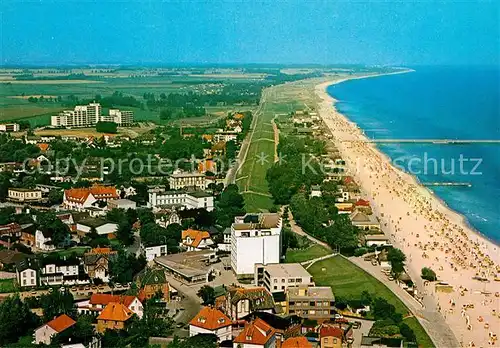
(430, 234)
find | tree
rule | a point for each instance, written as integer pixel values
(55, 197)
(397, 259)
(81, 332)
(229, 206)
(198, 341)
(207, 294)
(57, 303)
(16, 320)
(407, 332)
(124, 233)
(152, 324)
(124, 267)
(106, 127)
(48, 222)
(428, 274)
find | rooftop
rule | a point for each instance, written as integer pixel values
(323, 292)
(189, 264)
(210, 319)
(61, 323)
(257, 221)
(296, 342)
(286, 270)
(257, 332)
(115, 311)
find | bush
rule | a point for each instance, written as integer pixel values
(106, 127)
(428, 274)
(360, 251)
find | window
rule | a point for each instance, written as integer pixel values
(32, 273)
(282, 280)
(275, 280)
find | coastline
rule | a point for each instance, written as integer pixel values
(433, 235)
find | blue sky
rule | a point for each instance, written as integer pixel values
(324, 32)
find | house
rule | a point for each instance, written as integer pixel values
(289, 326)
(313, 302)
(296, 342)
(277, 277)
(96, 263)
(121, 204)
(376, 240)
(24, 195)
(240, 302)
(331, 337)
(44, 334)
(152, 281)
(85, 197)
(194, 240)
(12, 229)
(43, 240)
(27, 272)
(225, 136)
(257, 334)
(97, 302)
(364, 221)
(101, 226)
(315, 191)
(59, 271)
(9, 258)
(153, 251)
(167, 217)
(210, 320)
(9, 127)
(255, 238)
(113, 317)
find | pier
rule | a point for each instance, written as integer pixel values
(464, 184)
(430, 141)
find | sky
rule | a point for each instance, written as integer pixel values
(320, 32)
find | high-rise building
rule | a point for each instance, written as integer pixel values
(255, 239)
(88, 115)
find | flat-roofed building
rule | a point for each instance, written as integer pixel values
(180, 180)
(189, 267)
(159, 197)
(313, 302)
(255, 239)
(24, 195)
(87, 115)
(278, 277)
(9, 127)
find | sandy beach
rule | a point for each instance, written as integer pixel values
(430, 234)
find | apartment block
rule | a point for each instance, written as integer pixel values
(313, 302)
(278, 277)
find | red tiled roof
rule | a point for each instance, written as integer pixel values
(79, 195)
(104, 299)
(102, 251)
(10, 228)
(257, 332)
(43, 146)
(331, 331)
(115, 311)
(61, 323)
(296, 342)
(210, 319)
(363, 203)
(196, 235)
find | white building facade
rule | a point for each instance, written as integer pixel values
(186, 200)
(255, 239)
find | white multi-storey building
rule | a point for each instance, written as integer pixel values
(9, 127)
(255, 239)
(277, 277)
(159, 197)
(87, 115)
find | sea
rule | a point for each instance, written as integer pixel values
(437, 103)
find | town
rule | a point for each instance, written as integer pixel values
(93, 255)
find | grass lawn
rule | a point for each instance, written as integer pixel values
(255, 203)
(423, 339)
(78, 250)
(301, 255)
(349, 281)
(7, 285)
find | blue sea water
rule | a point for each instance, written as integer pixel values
(437, 103)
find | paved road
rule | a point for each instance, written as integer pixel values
(430, 318)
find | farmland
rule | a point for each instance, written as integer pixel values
(14, 93)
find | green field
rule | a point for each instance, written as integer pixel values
(349, 281)
(15, 106)
(301, 255)
(257, 202)
(7, 285)
(423, 339)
